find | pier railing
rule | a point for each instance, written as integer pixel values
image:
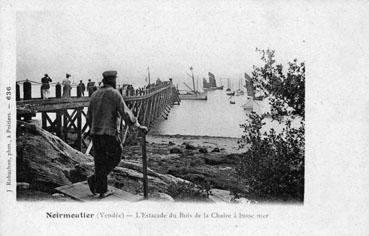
(66, 117)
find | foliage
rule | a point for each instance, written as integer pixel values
(184, 190)
(273, 165)
(285, 90)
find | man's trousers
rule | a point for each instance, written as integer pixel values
(107, 155)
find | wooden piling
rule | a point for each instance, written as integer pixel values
(65, 125)
(27, 90)
(59, 126)
(17, 92)
(58, 90)
(43, 120)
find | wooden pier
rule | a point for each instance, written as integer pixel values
(66, 117)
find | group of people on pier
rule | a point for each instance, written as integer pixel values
(67, 87)
(64, 88)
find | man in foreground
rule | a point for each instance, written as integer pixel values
(105, 105)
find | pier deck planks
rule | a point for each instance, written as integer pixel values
(81, 192)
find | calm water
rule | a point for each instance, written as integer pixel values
(214, 117)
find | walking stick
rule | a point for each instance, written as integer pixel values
(144, 164)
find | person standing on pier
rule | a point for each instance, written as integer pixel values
(90, 87)
(66, 86)
(82, 87)
(45, 87)
(105, 106)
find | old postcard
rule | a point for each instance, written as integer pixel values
(184, 118)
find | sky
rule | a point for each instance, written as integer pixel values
(213, 36)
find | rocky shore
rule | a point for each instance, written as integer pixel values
(181, 168)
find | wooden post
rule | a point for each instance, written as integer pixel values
(65, 125)
(27, 90)
(144, 165)
(79, 129)
(58, 126)
(79, 121)
(43, 120)
(79, 91)
(58, 90)
(17, 92)
(27, 95)
(146, 105)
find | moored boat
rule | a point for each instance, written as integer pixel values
(249, 105)
(230, 93)
(193, 96)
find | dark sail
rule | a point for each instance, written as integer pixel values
(205, 83)
(212, 81)
(249, 86)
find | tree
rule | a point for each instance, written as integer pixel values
(273, 165)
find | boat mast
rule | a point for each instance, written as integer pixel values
(193, 79)
(148, 73)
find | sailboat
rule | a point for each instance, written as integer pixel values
(239, 91)
(193, 93)
(249, 104)
(228, 90)
(212, 84)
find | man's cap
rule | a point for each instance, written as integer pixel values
(109, 74)
(46, 75)
(67, 75)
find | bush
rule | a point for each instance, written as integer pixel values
(187, 191)
(273, 165)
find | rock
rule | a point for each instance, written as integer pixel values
(220, 195)
(221, 159)
(45, 161)
(160, 197)
(175, 150)
(22, 185)
(203, 150)
(216, 149)
(129, 175)
(243, 200)
(189, 146)
(225, 168)
(171, 143)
